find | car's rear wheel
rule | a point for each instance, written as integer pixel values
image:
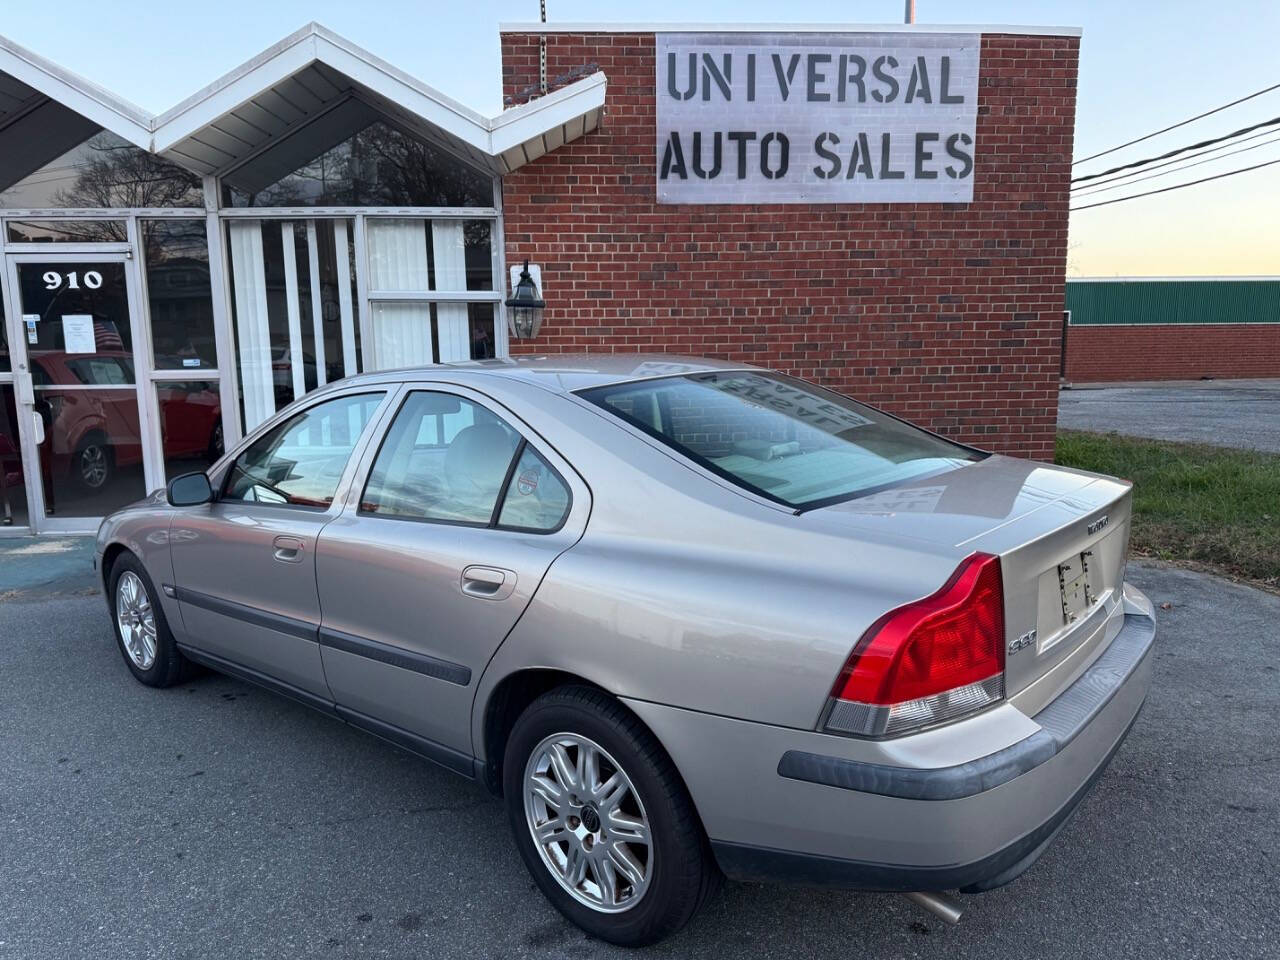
(602, 819)
(142, 633)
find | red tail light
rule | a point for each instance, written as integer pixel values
(928, 661)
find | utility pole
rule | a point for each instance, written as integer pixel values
(910, 14)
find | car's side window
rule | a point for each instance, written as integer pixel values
(300, 461)
(449, 459)
(537, 498)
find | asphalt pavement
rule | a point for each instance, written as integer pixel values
(216, 820)
(1227, 413)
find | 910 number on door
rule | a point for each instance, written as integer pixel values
(92, 279)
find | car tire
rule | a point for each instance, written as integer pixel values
(676, 871)
(92, 464)
(150, 653)
(214, 449)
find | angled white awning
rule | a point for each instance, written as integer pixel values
(312, 83)
(298, 85)
(46, 111)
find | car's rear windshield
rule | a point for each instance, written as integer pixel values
(784, 439)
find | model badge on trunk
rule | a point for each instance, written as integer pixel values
(1026, 640)
(1098, 524)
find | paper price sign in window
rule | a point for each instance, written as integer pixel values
(77, 333)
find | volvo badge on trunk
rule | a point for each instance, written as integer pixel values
(1098, 524)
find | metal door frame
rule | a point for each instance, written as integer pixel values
(144, 389)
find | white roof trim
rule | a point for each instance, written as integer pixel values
(599, 27)
(510, 139)
(491, 136)
(85, 97)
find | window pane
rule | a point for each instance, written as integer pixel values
(400, 254)
(82, 334)
(444, 458)
(784, 439)
(350, 157)
(13, 492)
(265, 290)
(415, 255)
(67, 231)
(176, 254)
(105, 171)
(300, 462)
(401, 334)
(190, 425)
(479, 255)
(537, 498)
(91, 460)
(480, 322)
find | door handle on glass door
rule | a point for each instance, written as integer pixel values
(488, 583)
(289, 549)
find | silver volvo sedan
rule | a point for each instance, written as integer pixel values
(688, 618)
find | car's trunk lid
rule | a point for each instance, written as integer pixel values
(1062, 538)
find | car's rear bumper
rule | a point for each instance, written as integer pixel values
(807, 807)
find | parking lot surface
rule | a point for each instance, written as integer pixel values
(1228, 413)
(217, 820)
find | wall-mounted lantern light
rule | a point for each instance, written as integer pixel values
(524, 309)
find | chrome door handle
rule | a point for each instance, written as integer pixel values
(488, 583)
(289, 549)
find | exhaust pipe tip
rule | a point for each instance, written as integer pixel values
(945, 908)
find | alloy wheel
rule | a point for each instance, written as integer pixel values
(93, 466)
(136, 620)
(588, 823)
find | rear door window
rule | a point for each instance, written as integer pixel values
(789, 441)
(449, 459)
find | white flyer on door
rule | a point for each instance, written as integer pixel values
(77, 333)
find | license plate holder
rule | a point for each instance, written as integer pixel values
(1073, 584)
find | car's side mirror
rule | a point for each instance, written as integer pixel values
(189, 490)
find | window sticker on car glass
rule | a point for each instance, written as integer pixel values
(527, 482)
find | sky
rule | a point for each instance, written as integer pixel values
(1144, 64)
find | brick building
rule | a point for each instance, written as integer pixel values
(945, 313)
(882, 209)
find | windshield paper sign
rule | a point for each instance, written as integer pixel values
(816, 118)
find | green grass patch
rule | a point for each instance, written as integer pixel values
(1207, 505)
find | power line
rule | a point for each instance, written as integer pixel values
(1173, 153)
(1176, 186)
(1174, 126)
(1198, 153)
(1116, 186)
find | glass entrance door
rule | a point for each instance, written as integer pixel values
(73, 353)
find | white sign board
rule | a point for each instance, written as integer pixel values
(816, 118)
(77, 333)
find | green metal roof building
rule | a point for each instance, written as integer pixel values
(1130, 301)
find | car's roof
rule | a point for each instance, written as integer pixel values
(565, 372)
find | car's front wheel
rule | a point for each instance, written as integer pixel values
(603, 820)
(142, 632)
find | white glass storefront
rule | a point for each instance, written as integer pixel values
(152, 315)
(169, 281)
